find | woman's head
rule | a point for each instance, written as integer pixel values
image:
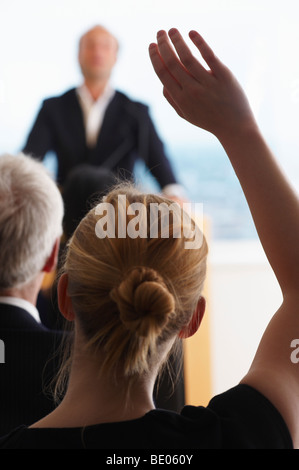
(132, 282)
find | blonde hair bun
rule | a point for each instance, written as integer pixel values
(144, 302)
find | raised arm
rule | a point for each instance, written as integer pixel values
(213, 100)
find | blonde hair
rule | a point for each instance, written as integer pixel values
(131, 295)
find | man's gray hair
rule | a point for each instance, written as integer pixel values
(31, 212)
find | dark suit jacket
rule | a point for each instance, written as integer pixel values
(28, 348)
(127, 134)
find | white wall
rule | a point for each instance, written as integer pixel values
(257, 39)
(244, 296)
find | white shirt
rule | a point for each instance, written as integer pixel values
(93, 111)
(21, 303)
(93, 114)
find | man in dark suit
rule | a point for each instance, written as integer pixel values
(95, 124)
(31, 212)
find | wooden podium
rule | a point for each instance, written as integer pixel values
(197, 354)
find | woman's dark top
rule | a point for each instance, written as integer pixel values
(240, 418)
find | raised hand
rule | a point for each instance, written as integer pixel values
(211, 99)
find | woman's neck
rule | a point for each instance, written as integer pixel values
(93, 399)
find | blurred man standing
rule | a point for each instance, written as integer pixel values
(95, 124)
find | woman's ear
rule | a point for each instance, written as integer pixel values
(194, 324)
(64, 301)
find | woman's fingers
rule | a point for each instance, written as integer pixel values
(191, 64)
(176, 66)
(171, 87)
(215, 65)
(162, 71)
(169, 57)
(184, 65)
(176, 69)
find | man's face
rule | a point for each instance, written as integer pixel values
(97, 54)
